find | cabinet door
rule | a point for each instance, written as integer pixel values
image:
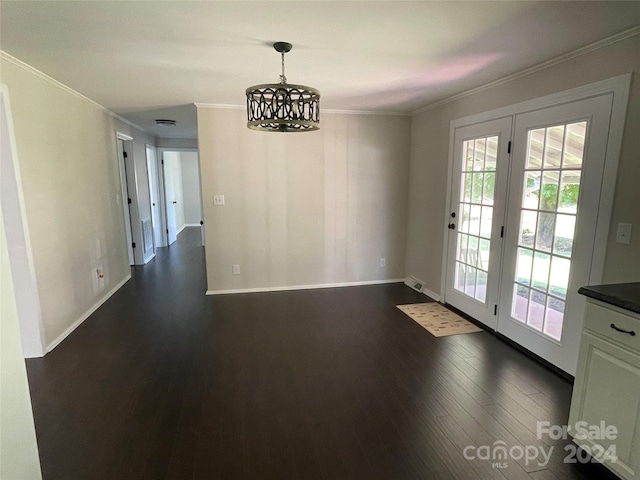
(607, 389)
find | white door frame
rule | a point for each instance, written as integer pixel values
(14, 217)
(619, 87)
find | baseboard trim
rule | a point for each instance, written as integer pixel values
(431, 294)
(180, 230)
(191, 225)
(303, 287)
(411, 282)
(151, 257)
(86, 315)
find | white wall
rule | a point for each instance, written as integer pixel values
(191, 188)
(19, 450)
(430, 151)
(66, 147)
(304, 208)
(169, 143)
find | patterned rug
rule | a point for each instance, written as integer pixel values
(437, 319)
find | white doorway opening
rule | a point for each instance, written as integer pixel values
(182, 192)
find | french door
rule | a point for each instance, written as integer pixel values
(553, 201)
(475, 221)
(521, 275)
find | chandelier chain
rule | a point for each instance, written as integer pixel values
(283, 79)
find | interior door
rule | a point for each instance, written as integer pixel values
(554, 195)
(154, 197)
(170, 201)
(125, 179)
(480, 173)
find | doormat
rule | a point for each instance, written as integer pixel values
(437, 319)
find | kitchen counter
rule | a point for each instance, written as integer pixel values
(623, 295)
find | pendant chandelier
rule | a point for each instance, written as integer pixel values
(283, 107)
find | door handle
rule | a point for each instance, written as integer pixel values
(451, 226)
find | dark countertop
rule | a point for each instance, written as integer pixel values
(623, 295)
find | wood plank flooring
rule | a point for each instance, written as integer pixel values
(163, 382)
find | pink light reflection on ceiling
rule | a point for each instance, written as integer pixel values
(403, 86)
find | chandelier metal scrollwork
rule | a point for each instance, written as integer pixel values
(283, 107)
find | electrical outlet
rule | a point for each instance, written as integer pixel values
(236, 269)
(383, 262)
(218, 200)
(624, 233)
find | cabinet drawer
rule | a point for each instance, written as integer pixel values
(599, 320)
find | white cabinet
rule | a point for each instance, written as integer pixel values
(607, 387)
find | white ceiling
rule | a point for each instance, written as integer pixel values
(154, 59)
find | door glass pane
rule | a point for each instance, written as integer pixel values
(574, 145)
(540, 272)
(481, 286)
(549, 191)
(563, 237)
(483, 254)
(476, 192)
(477, 185)
(535, 147)
(491, 158)
(474, 219)
(479, 154)
(486, 221)
(547, 226)
(554, 316)
(520, 303)
(559, 278)
(544, 231)
(569, 189)
(489, 187)
(470, 284)
(523, 266)
(528, 222)
(467, 156)
(553, 146)
(535, 315)
(465, 191)
(531, 190)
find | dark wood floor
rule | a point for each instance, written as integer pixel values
(163, 382)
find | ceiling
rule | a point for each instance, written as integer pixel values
(153, 59)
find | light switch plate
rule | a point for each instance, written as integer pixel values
(218, 199)
(624, 233)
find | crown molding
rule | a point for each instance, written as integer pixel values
(221, 106)
(34, 71)
(322, 110)
(605, 42)
(367, 112)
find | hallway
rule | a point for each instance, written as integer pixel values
(163, 382)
